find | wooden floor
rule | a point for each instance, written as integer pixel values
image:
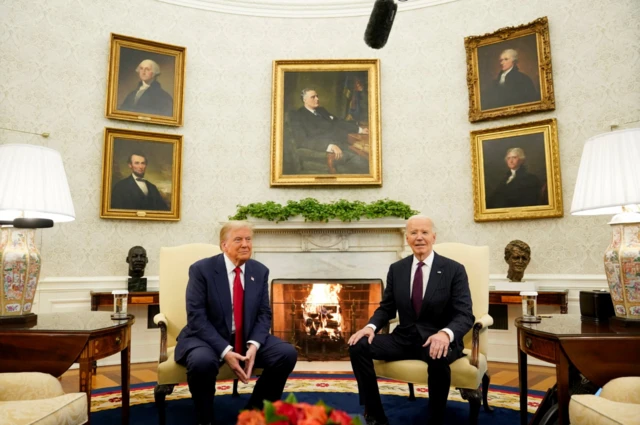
(539, 377)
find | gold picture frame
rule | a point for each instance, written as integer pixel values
(523, 55)
(135, 162)
(325, 127)
(507, 186)
(145, 81)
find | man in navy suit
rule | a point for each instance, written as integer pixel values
(209, 338)
(315, 128)
(135, 192)
(431, 295)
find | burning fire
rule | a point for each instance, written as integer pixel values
(321, 311)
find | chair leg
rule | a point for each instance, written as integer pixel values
(235, 388)
(160, 393)
(412, 394)
(485, 392)
(474, 397)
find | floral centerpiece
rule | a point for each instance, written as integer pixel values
(290, 412)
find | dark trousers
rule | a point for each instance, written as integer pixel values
(276, 357)
(395, 347)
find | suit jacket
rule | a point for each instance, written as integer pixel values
(318, 131)
(517, 88)
(126, 194)
(522, 191)
(446, 302)
(209, 312)
(154, 100)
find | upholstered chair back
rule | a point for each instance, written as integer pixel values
(174, 276)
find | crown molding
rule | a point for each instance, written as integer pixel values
(298, 8)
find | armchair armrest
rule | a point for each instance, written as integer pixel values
(161, 320)
(28, 386)
(481, 325)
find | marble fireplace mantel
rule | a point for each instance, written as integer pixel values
(298, 249)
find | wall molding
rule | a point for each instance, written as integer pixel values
(298, 8)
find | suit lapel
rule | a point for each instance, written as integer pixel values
(435, 277)
(222, 286)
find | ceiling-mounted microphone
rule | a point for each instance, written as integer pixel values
(380, 23)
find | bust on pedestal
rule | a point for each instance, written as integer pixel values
(517, 254)
(137, 259)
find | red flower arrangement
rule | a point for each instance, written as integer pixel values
(290, 412)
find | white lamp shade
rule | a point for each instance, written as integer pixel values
(609, 174)
(33, 184)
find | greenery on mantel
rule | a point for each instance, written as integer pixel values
(312, 210)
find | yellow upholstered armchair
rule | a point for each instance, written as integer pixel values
(174, 276)
(36, 398)
(618, 404)
(468, 373)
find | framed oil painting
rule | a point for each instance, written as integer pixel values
(509, 71)
(325, 127)
(141, 175)
(516, 172)
(146, 81)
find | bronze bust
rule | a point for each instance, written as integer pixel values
(137, 259)
(517, 254)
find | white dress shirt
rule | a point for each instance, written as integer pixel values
(231, 275)
(141, 184)
(426, 270)
(503, 76)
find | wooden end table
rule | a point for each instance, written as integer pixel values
(60, 339)
(600, 351)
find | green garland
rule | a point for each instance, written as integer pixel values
(312, 210)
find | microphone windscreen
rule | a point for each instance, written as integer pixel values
(380, 23)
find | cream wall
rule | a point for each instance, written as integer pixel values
(53, 67)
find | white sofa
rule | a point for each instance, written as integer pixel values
(618, 404)
(37, 398)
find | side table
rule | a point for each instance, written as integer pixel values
(601, 352)
(60, 339)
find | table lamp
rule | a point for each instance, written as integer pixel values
(609, 183)
(33, 194)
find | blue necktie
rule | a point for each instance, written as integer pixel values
(416, 293)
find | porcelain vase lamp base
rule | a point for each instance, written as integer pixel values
(20, 262)
(622, 267)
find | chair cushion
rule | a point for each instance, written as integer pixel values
(587, 409)
(624, 390)
(68, 409)
(463, 374)
(170, 372)
(28, 386)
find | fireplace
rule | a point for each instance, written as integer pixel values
(318, 316)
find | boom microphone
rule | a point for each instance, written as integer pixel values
(380, 23)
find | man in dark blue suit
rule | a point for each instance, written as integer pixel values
(315, 128)
(217, 332)
(431, 295)
(135, 192)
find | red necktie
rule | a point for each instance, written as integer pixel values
(238, 310)
(416, 293)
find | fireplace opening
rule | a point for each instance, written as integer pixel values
(318, 316)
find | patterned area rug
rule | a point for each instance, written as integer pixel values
(339, 391)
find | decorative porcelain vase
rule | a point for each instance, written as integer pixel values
(622, 266)
(20, 261)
